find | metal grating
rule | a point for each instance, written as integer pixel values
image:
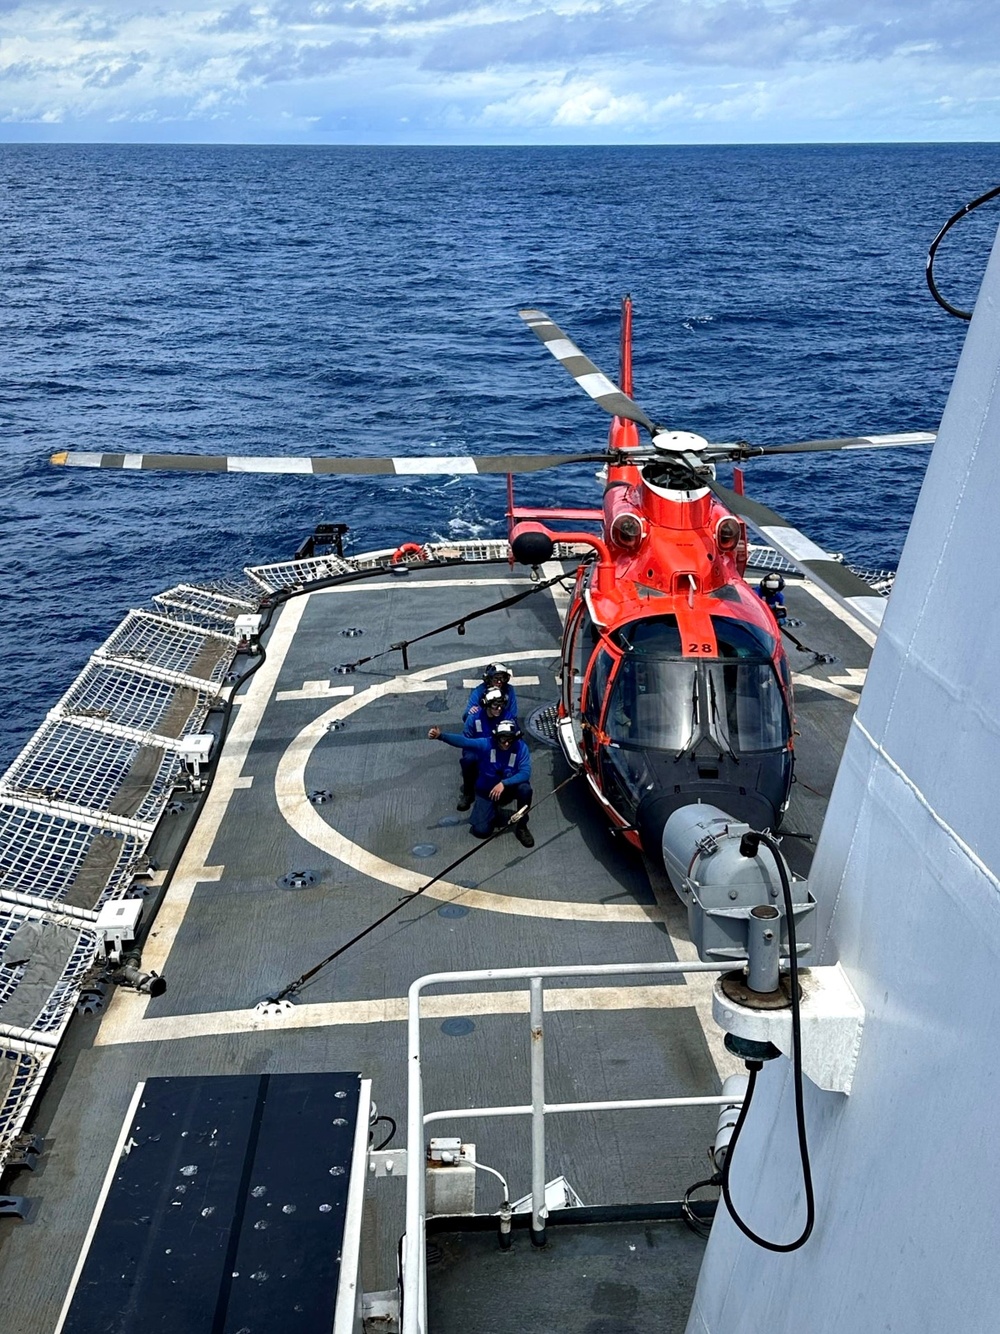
(294, 573)
(237, 588)
(204, 607)
(880, 580)
(151, 640)
(67, 763)
(766, 558)
(49, 1009)
(78, 807)
(110, 693)
(300, 573)
(541, 724)
(42, 854)
(21, 1075)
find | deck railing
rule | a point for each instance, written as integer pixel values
(414, 1250)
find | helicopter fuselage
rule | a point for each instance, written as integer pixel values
(675, 684)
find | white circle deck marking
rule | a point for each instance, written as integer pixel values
(303, 817)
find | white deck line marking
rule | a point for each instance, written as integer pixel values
(315, 690)
(393, 1009)
(366, 587)
(825, 600)
(829, 687)
(191, 869)
(469, 682)
(550, 570)
(242, 783)
(109, 1177)
(305, 819)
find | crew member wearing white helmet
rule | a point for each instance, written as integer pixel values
(504, 775)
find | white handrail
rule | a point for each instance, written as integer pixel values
(414, 1255)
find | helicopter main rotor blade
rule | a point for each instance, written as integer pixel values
(589, 377)
(842, 584)
(400, 467)
(739, 450)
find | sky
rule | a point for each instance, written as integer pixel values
(500, 71)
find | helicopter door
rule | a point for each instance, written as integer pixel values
(602, 664)
(578, 645)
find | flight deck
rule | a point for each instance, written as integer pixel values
(328, 807)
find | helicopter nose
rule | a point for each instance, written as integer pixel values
(658, 806)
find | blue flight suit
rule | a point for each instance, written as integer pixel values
(478, 724)
(775, 600)
(510, 767)
(475, 700)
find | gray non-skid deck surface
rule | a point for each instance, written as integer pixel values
(591, 1278)
(242, 935)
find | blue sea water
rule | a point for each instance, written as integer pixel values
(363, 300)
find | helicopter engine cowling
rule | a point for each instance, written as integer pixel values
(623, 521)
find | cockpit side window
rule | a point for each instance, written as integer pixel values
(597, 682)
(582, 634)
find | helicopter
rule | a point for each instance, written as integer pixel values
(675, 686)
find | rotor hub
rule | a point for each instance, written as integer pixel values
(679, 442)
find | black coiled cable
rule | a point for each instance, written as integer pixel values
(955, 217)
(754, 1066)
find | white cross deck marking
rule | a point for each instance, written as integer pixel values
(315, 690)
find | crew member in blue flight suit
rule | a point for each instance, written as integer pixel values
(771, 589)
(504, 775)
(495, 676)
(480, 721)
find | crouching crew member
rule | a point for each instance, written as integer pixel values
(504, 775)
(772, 589)
(495, 677)
(480, 721)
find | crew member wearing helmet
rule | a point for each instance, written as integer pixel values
(480, 721)
(771, 589)
(495, 676)
(504, 775)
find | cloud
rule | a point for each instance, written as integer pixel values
(287, 61)
(241, 18)
(583, 68)
(114, 75)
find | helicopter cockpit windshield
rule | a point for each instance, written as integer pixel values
(662, 701)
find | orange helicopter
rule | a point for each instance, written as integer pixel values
(675, 684)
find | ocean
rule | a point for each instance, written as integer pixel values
(363, 300)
